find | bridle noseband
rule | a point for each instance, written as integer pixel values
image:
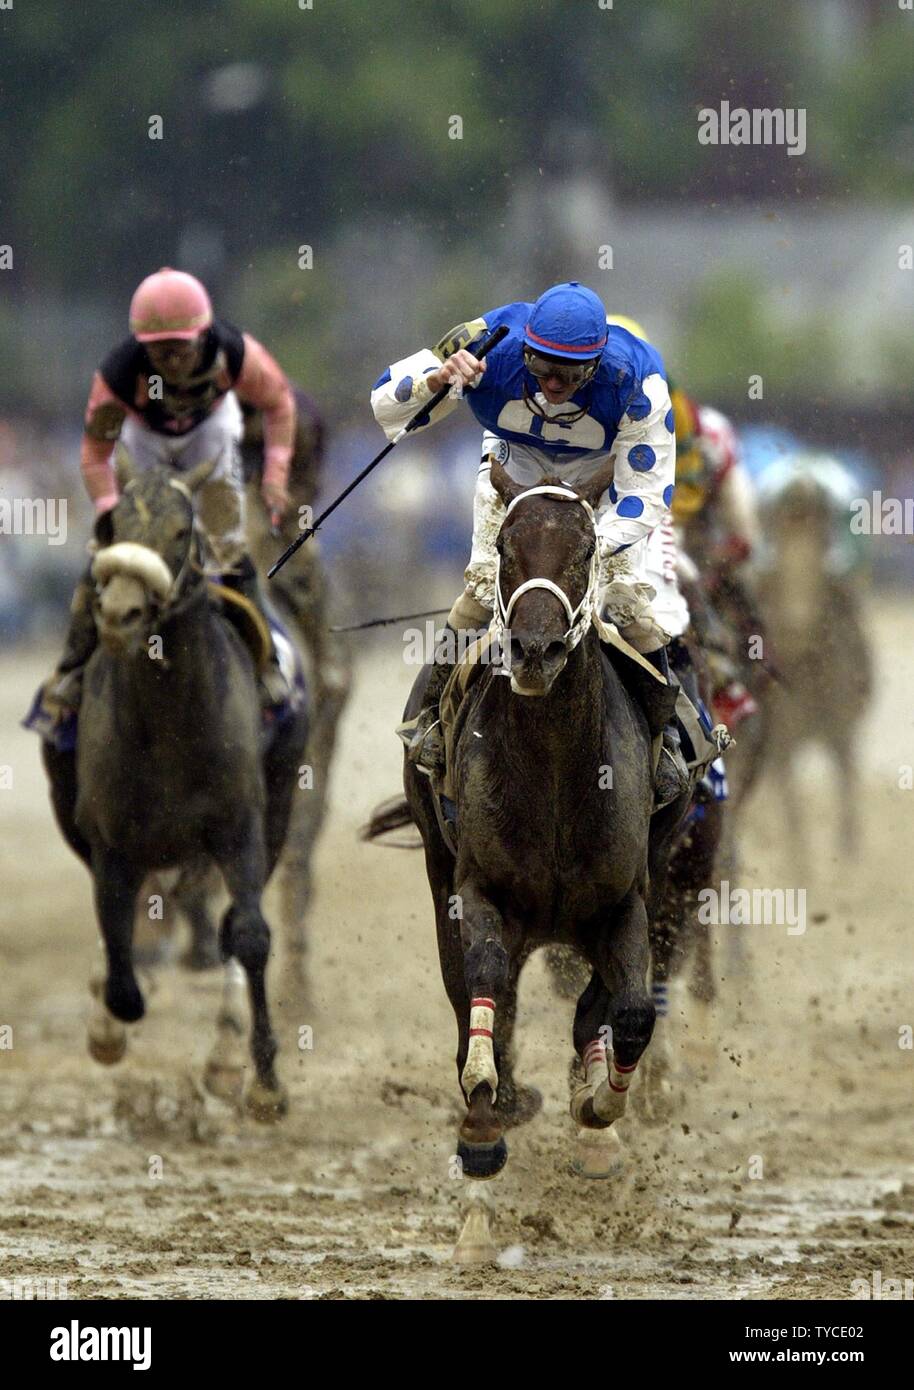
(579, 617)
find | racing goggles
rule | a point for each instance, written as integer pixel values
(571, 373)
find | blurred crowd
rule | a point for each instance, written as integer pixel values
(407, 527)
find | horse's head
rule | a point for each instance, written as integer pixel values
(145, 548)
(546, 574)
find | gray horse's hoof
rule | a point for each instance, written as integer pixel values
(266, 1105)
(226, 1083)
(108, 1051)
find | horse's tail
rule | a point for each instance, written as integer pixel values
(392, 814)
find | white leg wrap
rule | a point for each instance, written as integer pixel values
(611, 1096)
(480, 1063)
(594, 1060)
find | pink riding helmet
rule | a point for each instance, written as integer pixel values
(169, 304)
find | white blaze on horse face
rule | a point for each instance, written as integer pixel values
(480, 1062)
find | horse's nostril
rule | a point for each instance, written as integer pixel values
(555, 651)
(132, 615)
(517, 651)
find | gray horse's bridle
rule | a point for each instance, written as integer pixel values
(579, 617)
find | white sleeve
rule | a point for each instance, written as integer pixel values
(404, 390)
(645, 470)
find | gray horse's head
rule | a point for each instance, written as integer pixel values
(145, 547)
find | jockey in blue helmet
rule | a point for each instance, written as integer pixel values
(563, 392)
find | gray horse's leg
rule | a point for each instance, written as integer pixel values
(117, 882)
(848, 792)
(118, 999)
(194, 893)
(241, 855)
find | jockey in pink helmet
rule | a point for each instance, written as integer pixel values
(170, 394)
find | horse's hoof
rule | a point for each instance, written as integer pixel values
(227, 1083)
(598, 1153)
(266, 1105)
(654, 1101)
(108, 1051)
(520, 1107)
(482, 1160)
(475, 1246)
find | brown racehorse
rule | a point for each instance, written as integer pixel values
(549, 849)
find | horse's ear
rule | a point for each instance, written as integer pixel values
(104, 529)
(505, 486)
(124, 468)
(196, 477)
(594, 488)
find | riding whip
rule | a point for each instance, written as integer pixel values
(408, 428)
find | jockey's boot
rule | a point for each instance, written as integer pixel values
(426, 747)
(672, 776)
(64, 689)
(274, 688)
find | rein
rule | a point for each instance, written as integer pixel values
(580, 616)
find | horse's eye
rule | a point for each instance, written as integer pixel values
(183, 533)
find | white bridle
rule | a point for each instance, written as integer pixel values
(580, 617)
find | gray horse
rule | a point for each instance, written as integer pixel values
(172, 765)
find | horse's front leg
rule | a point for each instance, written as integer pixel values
(118, 999)
(241, 855)
(487, 986)
(481, 1147)
(613, 1022)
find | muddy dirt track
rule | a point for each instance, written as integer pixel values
(352, 1195)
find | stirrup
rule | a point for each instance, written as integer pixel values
(429, 761)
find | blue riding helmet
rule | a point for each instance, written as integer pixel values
(567, 321)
